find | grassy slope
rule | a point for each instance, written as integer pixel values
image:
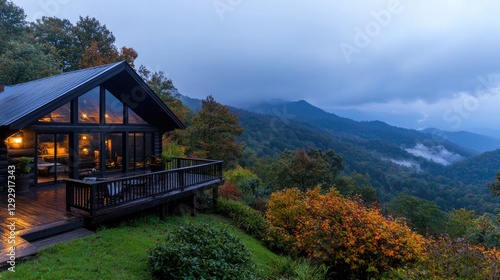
(121, 252)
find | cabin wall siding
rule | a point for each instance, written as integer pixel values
(4, 163)
(157, 140)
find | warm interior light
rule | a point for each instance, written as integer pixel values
(16, 140)
(84, 115)
(84, 137)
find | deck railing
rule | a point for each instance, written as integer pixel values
(90, 196)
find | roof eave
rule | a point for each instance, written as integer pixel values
(155, 97)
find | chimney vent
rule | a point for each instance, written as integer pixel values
(2, 86)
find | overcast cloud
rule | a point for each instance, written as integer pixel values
(409, 63)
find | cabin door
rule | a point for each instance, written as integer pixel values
(52, 157)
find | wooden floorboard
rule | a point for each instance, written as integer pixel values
(37, 207)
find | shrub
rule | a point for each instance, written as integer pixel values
(288, 268)
(230, 191)
(201, 252)
(449, 258)
(283, 213)
(353, 240)
(245, 218)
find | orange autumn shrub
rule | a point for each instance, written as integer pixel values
(353, 240)
(284, 210)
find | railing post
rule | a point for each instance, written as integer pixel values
(69, 196)
(180, 177)
(92, 199)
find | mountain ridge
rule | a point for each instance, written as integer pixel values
(397, 160)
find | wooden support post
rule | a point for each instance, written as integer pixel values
(163, 210)
(172, 208)
(193, 205)
(215, 196)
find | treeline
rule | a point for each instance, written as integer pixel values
(32, 50)
(450, 187)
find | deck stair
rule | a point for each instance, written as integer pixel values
(45, 236)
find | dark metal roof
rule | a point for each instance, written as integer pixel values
(19, 102)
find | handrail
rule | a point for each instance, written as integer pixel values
(105, 193)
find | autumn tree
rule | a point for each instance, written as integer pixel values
(246, 181)
(91, 37)
(307, 169)
(86, 44)
(213, 132)
(129, 55)
(52, 45)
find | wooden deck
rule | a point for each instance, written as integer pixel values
(98, 197)
(39, 209)
(45, 211)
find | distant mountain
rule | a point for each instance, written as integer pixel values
(473, 141)
(192, 103)
(478, 170)
(430, 147)
(291, 110)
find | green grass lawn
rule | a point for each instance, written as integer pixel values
(121, 252)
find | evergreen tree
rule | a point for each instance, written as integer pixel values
(307, 169)
(213, 133)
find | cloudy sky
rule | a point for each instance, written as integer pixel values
(415, 64)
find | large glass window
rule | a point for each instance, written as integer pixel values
(88, 153)
(133, 118)
(60, 115)
(114, 109)
(88, 107)
(53, 157)
(137, 154)
(114, 151)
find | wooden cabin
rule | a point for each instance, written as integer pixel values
(95, 131)
(94, 122)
